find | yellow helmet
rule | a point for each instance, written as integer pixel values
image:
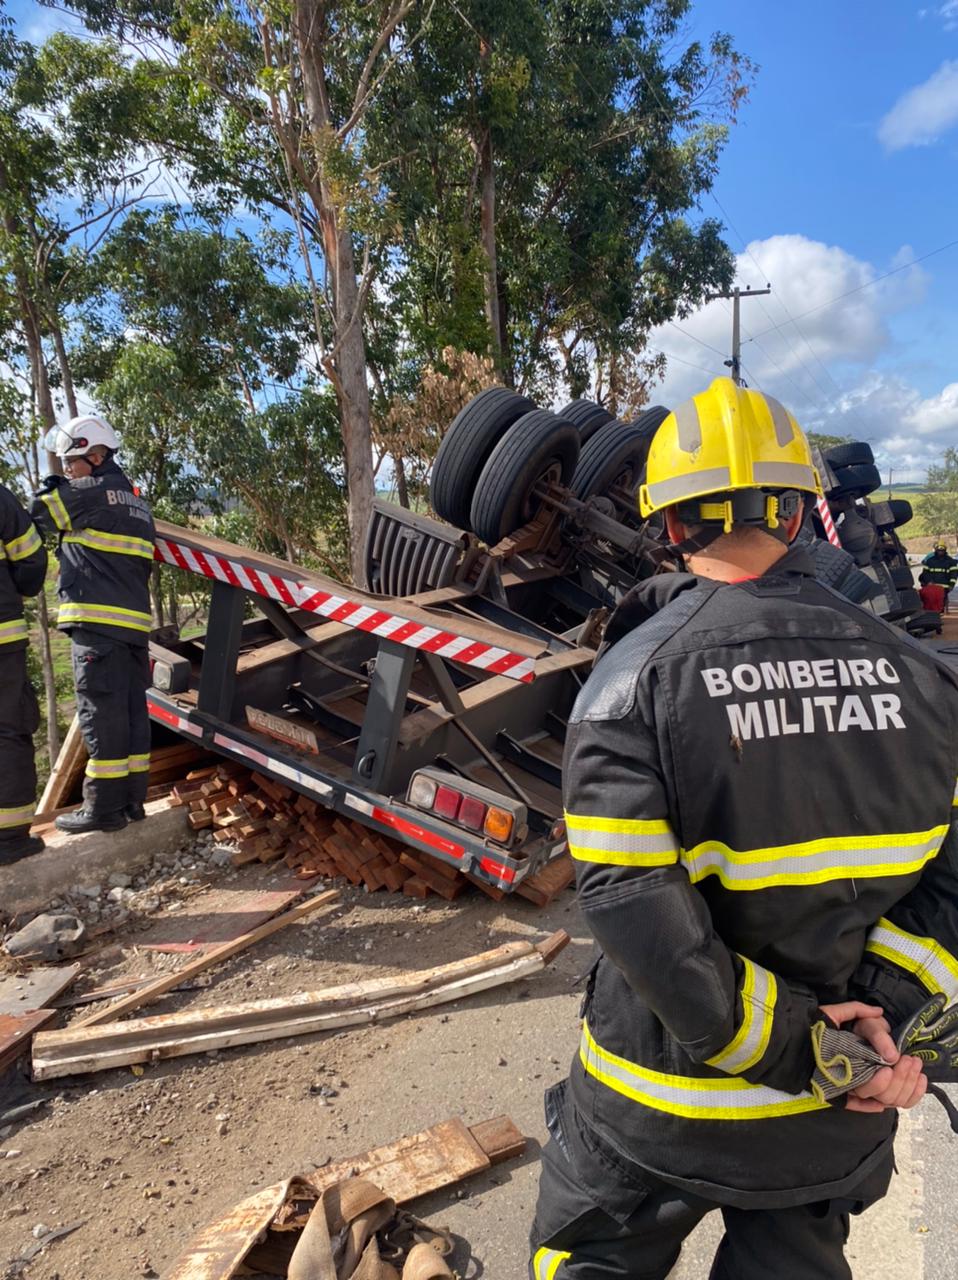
(723, 441)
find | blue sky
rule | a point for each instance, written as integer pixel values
(842, 167)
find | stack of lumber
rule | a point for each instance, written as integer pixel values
(269, 821)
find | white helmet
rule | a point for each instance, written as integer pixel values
(77, 437)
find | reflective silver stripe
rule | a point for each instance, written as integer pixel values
(689, 426)
(815, 861)
(15, 630)
(25, 545)
(790, 475)
(18, 817)
(954, 798)
(934, 966)
(748, 1046)
(114, 617)
(784, 432)
(665, 492)
(621, 841)
(547, 1262)
(688, 1096)
(108, 768)
(58, 512)
(111, 544)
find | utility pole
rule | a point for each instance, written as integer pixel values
(735, 364)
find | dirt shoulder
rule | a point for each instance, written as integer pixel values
(147, 1158)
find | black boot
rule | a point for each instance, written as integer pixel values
(86, 820)
(135, 811)
(21, 847)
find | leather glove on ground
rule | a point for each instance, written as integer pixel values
(50, 483)
(843, 1061)
(931, 1034)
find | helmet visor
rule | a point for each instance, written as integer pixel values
(63, 444)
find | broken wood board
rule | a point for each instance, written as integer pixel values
(16, 1030)
(139, 998)
(405, 1170)
(26, 992)
(67, 771)
(98, 1048)
(221, 914)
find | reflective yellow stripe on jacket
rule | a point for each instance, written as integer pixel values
(113, 543)
(140, 763)
(58, 512)
(688, 1096)
(954, 798)
(814, 861)
(105, 614)
(18, 817)
(546, 1263)
(933, 966)
(759, 994)
(622, 842)
(108, 768)
(15, 630)
(25, 545)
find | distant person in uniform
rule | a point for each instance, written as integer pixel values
(941, 568)
(106, 556)
(23, 567)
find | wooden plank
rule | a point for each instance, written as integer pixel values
(499, 1138)
(83, 1047)
(16, 1030)
(66, 772)
(137, 999)
(25, 992)
(129, 1043)
(220, 914)
(405, 1170)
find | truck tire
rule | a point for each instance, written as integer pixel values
(475, 432)
(616, 454)
(901, 511)
(588, 416)
(539, 446)
(860, 478)
(849, 455)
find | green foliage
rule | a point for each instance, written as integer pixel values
(825, 441)
(939, 507)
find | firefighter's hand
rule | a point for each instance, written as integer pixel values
(902, 1086)
(50, 483)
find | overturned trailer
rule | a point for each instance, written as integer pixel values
(433, 705)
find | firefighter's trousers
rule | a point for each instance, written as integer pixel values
(602, 1219)
(19, 720)
(111, 681)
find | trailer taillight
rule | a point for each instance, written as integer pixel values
(468, 804)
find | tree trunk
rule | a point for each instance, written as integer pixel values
(49, 678)
(66, 374)
(402, 489)
(156, 597)
(347, 363)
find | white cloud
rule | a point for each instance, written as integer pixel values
(924, 113)
(800, 364)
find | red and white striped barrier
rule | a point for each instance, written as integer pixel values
(352, 613)
(831, 533)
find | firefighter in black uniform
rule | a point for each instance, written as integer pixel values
(750, 887)
(941, 568)
(106, 553)
(23, 567)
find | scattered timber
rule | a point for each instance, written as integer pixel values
(151, 1039)
(136, 999)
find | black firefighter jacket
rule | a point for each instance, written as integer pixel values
(759, 783)
(106, 553)
(23, 567)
